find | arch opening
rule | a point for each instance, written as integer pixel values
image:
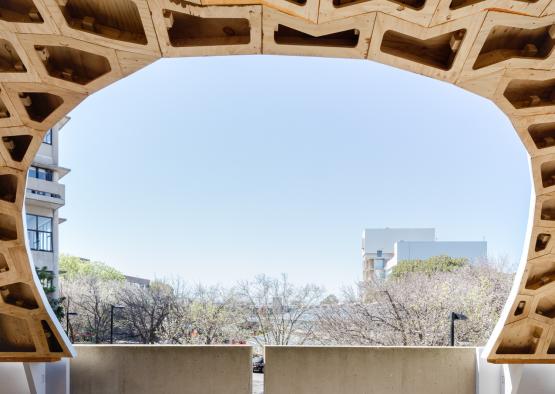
(476, 48)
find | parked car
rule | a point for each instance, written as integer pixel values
(258, 364)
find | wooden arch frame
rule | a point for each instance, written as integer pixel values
(54, 53)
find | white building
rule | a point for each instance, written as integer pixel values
(383, 248)
(43, 198)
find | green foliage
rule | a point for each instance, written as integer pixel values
(57, 306)
(428, 266)
(46, 278)
(72, 267)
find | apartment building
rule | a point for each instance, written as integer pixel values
(383, 248)
(44, 196)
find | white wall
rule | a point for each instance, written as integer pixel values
(369, 370)
(424, 250)
(13, 378)
(537, 379)
(384, 239)
(153, 369)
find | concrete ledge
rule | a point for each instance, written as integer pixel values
(138, 369)
(369, 370)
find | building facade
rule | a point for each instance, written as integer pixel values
(383, 248)
(142, 283)
(44, 196)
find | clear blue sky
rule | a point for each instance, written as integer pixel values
(217, 169)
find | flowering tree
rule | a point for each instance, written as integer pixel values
(413, 309)
(282, 313)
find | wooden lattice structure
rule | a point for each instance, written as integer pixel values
(54, 53)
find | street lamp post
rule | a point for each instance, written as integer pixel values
(68, 314)
(112, 307)
(455, 316)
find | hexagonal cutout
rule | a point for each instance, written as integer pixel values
(20, 295)
(546, 306)
(543, 134)
(15, 335)
(40, 105)
(285, 35)
(10, 62)
(523, 93)
(53, 344)
(4, 267)
(72, 65)
(438, 52)
(115, 19)
(19, 11)
(547, 170)
(17, 146)
(8, 228)
(540, 274)
(8, 187)
(506, 42)
(521, 339)
(541, 242)
(186, 30)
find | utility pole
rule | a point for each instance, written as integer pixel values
(68, 314)
(112, 307)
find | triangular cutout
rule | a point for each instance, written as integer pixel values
(40, 105)
(10, 62)
(4, 267)
(17, 146)
(4, 113)
(53, 344)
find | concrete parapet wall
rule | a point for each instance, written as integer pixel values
(138, 369)
(369, 370)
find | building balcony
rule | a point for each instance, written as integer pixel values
(45, 193)
(218, 369)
